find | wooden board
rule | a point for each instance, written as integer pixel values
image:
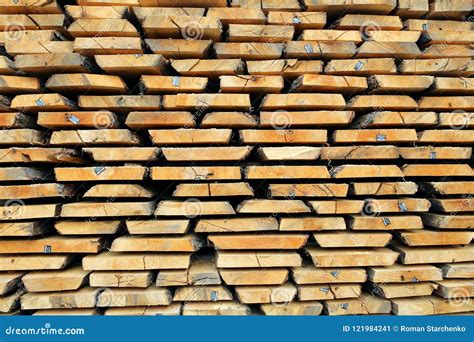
(65, 280)
(317, 275)
(414, 255)
(253, 241)
(352, 257)
(135, 279)
(428, 306)
(84, 298)
(262, 276)
(135, 261)
(134, 297)
(258, 259)
(404, 274)
(236, 224)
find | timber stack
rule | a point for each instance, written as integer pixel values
(243, 157)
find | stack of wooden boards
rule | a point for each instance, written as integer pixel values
(167, 157)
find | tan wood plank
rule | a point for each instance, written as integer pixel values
(213, 190)
(385, 222)
(436, 238)
(195, 173)
(202, 294)
(44, 190)
(120, 104)
(65, 120)
(324, 292)
(352, 257)
(431, 170)
(161, 226)
(89, 46)
(17, 210)
(319, 50)
(55, 244)
(193, 208)
(404, 274)
(288, 68)
(135, 261)
(236, 224)
(248, 50)
(361, 66)
(164, 119)
(216, 309)
(123, 297)
(359, 152)
(208, 67)
(27, 228)
(308, 190)
(270, 276)
(173, 309)
(262, 206)
(403, 290)
(340, 206)
(262, 241)
(317, 275)
(384, 188)
(155, 84)
(186, 243)
(427, 306)
(107, 209)
(448, 221)
(52, 63)
(180, 48)
(65, 280)
(206, 153)
(104, 137)
(364, 171)
(312, 223)
(266, 294)
(283, 136)
(286, 172)
(33, 262)
(228, 120)
(132, 64)
(414, 255)
(108, 173)
(387, 102)
(9, 281)
(430, 152)
(87, 227)
(340, 239)
(283, 119)
(118, 191)
(185, 27)
(458, 270)
(84, 83)
(367, 304)
(228, 259)
(310, 308)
